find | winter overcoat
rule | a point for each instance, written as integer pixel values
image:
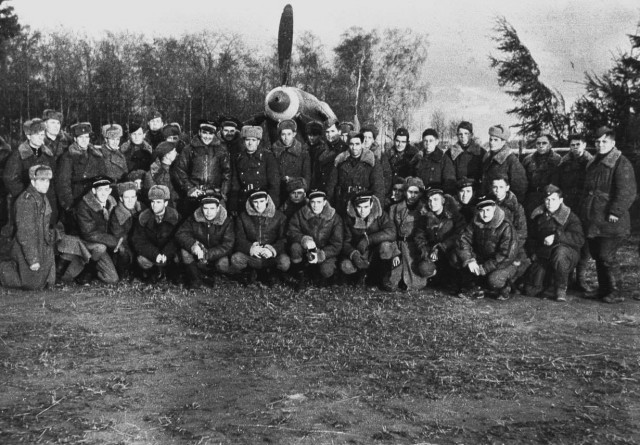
(324, 163)
(255, 171)
(205, 166)
(504, 163)
(438, 230)
(352, 175)
(269, 227)
(34, 242)
(400, 162)
(436, 170)
(406, 221)
(115, 163)
(569, 176)
(76, 168)
(216, 237)
(160, 174)
(59, 145)
(93, 220)
(293, 161)
(540, 170)
(493, 245)
(564, 224)
(326, 229)
(151, 239)
(515, 214)
(372, 231)
(467, 162)
(609, 189)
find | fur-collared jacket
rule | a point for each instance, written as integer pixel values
(563, 224)
(370, 231)
(151, 238)
(493, 245)
(515, 214)
(325, 229)
(435, 169)
(215, 237)
(294, 161)
(16, 170)
(504, 163)
(59, 145)
(207, 166)
(93, 220)
(115, 163)
(265, 229)
(438, 231)
(467, 161)
(76, 168)
(609, 189)
(400, 162)
(122, 219)
(352, 175)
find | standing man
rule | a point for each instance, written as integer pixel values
(57, 140)
(569, 177)
(292, 156)
(154, 134)
(315, 142)
(203, 165)
(401, 154)
(466, 154)
(230, 136)
(357, 172)
(136, 150)
(32, 264)
(499, 161)
(31, 152)
(433, 166)
(609, 191)
(115, 162)
(255, 169)
(540, 168)
(323, 164)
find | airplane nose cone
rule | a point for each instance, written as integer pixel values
(279, 101)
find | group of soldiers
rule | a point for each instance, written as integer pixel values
(323, 203)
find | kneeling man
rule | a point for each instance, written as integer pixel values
(487, 249)
(206, 239)
(316, 235)
(369, 234)
(260, 239)
(555, 240)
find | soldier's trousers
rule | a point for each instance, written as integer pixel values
(558, 266)
(604, 250)
(240, 261)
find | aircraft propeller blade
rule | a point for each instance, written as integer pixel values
(285, 44)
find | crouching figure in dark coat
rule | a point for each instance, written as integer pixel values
(153, 235)
(260, 238)
(32, 265)
(487, 249)
(405, 215)
(93, 214)
(436, 237)
(555, 241)
(206, 239)
(369, 234)
(315, 236)
(121, 226)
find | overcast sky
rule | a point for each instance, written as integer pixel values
(565, 37)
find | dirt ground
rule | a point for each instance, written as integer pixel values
(134, 364)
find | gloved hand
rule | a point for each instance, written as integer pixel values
(255, 250)
(359, 261)
(308, 243)
(321, 256)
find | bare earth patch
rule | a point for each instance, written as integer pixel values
(139, 365)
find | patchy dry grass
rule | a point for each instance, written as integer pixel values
(137, 365)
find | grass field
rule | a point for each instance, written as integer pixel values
(134, 364)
